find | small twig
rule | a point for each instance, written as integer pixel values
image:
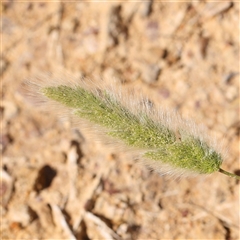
(229, 174)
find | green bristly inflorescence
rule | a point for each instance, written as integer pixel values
(138, 131)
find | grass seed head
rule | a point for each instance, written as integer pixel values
(163, 140)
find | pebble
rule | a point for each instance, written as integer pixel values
(227, 78)
(112, 75)
(10, 110)
(115, 27)
(146, 8)
(150, 73)
(6, 187)
(214, 8)
(5, 140)
(231, 93)
(229, 117)
(3, 66)
(152, 30)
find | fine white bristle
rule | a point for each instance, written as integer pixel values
(136, 104)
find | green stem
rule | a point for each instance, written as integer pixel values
(229, 174)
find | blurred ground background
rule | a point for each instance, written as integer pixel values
(56, 182)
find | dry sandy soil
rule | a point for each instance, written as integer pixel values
(56, 181)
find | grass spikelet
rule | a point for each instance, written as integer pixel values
(163, 140)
